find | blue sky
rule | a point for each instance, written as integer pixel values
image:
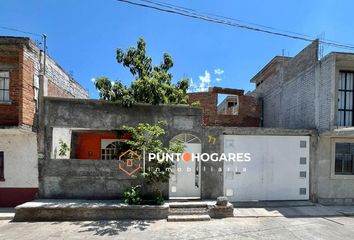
(83, 35)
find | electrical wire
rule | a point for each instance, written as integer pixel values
(21, 31)
(186, 12)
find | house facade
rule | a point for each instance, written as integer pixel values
(92, 169)
(311, 93)
(21, 65)
(290, 139)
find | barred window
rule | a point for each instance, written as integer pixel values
(345, 99)
(344, 159)
(4, 86)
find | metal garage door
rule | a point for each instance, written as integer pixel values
(278, 170)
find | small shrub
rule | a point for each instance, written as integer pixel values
(158, 200)
(196, 104)
(132, 195)
(64, 148)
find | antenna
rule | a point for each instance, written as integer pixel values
(44, 51)
(321, 45)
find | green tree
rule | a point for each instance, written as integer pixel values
(151, 84)
(146, 138)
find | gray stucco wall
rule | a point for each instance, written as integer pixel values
(308, 99)
(92, 179)
(100, 179)
(71, 178)
(300, 95)
(289, 93)
(325, 92)
(333, 189)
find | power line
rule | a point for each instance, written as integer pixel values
(21, 31)
(173, 9)
(237, 20)
(189, 10)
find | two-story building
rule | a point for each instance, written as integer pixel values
(21, 70)
(307, 92)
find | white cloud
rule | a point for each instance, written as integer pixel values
(206, 78)
(93, 80)
(205, 81)
(218, 71)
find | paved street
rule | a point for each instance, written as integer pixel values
(231, 228)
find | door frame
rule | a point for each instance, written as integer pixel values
(187, 138)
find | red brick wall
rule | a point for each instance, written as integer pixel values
(248, 113)
(9, 57)
(55, 91)
(28, 104)
(20, 57)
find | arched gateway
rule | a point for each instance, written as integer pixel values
(185, 180)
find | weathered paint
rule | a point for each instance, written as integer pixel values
(20, 167)
(11, 197)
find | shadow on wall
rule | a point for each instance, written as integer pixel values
(112, 228)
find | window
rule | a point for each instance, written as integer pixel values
(344, 155)
(231, 104)
(4, 86)
(227, 104)
(2, 167)
(345, 99)
(113, 150)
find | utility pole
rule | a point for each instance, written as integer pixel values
(43, 85)
(44, 51)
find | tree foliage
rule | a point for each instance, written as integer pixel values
(151, 84)
(145, 138)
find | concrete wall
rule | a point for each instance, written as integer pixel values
(333, 189)
(325, 93)
(72, 178)
(288, 91)
(299, 95)
(61, 178)
(302, 92)
(63, 134)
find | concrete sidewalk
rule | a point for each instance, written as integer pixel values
(292, 212)
(7, 213)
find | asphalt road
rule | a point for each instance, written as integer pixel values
(231, 228)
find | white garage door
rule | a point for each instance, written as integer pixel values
(278, 169)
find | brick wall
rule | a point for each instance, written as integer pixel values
(21, 58)
(27, 102)
(289, 93)
(9, 61)
(61, 84)
(55, 91)
(248, 113)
